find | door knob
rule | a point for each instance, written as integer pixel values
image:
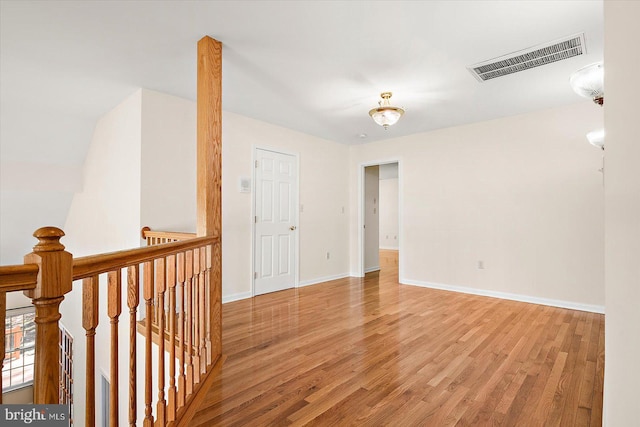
(293, 227)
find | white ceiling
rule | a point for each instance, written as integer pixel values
(316, 67)
(313, 66)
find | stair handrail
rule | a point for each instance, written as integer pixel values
(179, 273)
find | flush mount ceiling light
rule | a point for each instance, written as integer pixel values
(386, 115)
(589, 82)
(596, 138)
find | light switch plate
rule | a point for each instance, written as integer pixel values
(245, 184)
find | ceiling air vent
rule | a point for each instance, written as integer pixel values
(535, 56)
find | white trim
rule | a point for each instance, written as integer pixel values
(504, 295)
(236, 297)
(360, 272)
(389, 248)
(370, 269)
(254, 157)
(245, 295)
(318, 280)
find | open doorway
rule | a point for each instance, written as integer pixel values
(388, 225)
(380, 207)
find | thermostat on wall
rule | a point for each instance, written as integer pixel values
(245, 184)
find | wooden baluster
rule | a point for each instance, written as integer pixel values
(114, 308)
(133, 292)
(196, 315)
(181, 327)
(90, 306)
(203, 310)
(156, 310)
(60, 341)
(189, 319)
(160, 289)
(210, 301)
(171, 284)
(216, 294)
(3, 314)
(54, 280)
(148, 376)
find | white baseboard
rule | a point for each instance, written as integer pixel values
(322, 279)
(504, 295)
(370, 269)
(244, 295)
(388, 248)
(235, 297)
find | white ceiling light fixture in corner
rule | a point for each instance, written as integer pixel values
(385, 114)
(596, 138)
(589, 82)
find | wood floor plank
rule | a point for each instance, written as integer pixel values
(596, 405)
(370, 351)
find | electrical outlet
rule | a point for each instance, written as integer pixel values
(480, 265)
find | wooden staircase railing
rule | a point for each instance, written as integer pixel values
(182, 277)
(13, 278)
(159, 312)
(160, 237)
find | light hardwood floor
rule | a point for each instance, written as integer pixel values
(373, 352)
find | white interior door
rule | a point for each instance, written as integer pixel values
(275, 222)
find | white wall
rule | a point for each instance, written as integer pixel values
(521, 194)
(324, 194)
(168, 187)
(622, 225)
(29, 207)
(371, 218)
(168, 181)
(389, 213)
(105, 217)
(30, 192)
(140, 170)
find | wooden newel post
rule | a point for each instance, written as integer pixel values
(54, 280)
(209, 182)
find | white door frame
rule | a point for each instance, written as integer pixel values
(296, 214)
(361, 212)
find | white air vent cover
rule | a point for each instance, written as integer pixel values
(535, 56)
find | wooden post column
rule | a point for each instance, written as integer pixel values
(209, 134)
(209, 171)
(54, 280)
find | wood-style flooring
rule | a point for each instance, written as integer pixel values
(373, 352)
